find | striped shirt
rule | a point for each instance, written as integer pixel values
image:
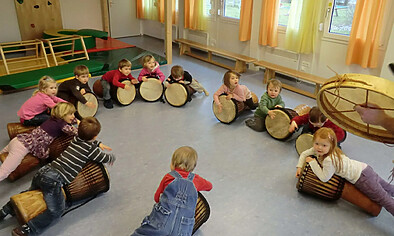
(75, 157)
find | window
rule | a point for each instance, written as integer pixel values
(284, 9)
(232, 8)
(342, 17)
(207, 7)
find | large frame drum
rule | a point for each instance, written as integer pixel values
(85, 111)
(92, 180)
(151, 90)
(176, 94)
(338, 96)
(304, 142)
(230, 111)
(202, 212)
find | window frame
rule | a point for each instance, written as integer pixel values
(328, 13)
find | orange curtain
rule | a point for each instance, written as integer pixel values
(245, 21)
(161, 12)
(365, 33)
(269, 23)
(140, 9)
(194, 15)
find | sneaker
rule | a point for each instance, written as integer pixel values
(21, 230)
(108, 104)
(206, 92)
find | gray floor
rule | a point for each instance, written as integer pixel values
(253, 175)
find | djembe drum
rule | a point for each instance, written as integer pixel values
(202, 212)
(338, 96)
(85, 111)
(151, 90)
(278, 127)
(122, 96)
(58, 145)
(17, 128)
(335, 188)
(91, 181)
(304, 142)
(28, 163)
(230, 109)
(177, 94)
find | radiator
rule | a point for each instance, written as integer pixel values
(198, 36)
(282, 57)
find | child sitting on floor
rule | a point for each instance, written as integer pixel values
(268, 101)
(37, 142)
(36, 109)
(176, 197)
(333, 161)
(115, 77)
(233, 89)
(50, 178)
(74, 89)
(178, 75)
(151, 69)
(313, 121)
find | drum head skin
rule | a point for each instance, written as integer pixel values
(338, 96)
(151, 90)
(85, 111)
(126, 97)
(278, 127)
(229, 111)
(304, 142)
(176, 95)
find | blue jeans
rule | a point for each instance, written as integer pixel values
(49, 182)
(38, 119)
(106, 89)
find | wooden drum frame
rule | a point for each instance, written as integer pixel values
(17, 128)
(202, 212)
(338, 96)
(230, 111)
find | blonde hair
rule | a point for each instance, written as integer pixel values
(62, 109)
(227, 76)
(334, 151)
(146, 59)
(184, 158)
(275, 83)
(123, 63)
(177, 71)
(81, 70)
(44, 83)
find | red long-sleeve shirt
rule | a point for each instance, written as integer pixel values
(304, 119)
(199, 182)
(115, 76)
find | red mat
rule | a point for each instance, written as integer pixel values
(109, 44)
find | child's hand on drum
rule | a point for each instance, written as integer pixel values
(144, 79)
(370, 115)
(90, 104)
(298, 173)
(134, 81)
(271, 113)
(279, 106)
(127, 87)
(309, 159)
(181, 82)
(293, 126)
(105, 147)
(228, 97)
(220, 108)
(83, 91)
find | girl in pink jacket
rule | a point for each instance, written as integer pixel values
(151, 69)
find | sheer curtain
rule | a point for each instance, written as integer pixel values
(365, 33)
(154, 10)
(269, 23)
(303, 24)
(194, 15)
(245, 20)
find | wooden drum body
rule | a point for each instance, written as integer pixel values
(98, 88)
(92, 180)
(122, 96)
(231, 109)
(17, 128)
(85, 111)
(58, 146)
(176, 94)
(202, 212)
(29, 162)
(151, 90)
(304, 142)
(278, 127)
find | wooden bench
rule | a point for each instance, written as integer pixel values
(240, 60)
(270, 70)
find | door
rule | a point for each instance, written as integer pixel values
(123, 18)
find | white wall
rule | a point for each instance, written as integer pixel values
(9, 22)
